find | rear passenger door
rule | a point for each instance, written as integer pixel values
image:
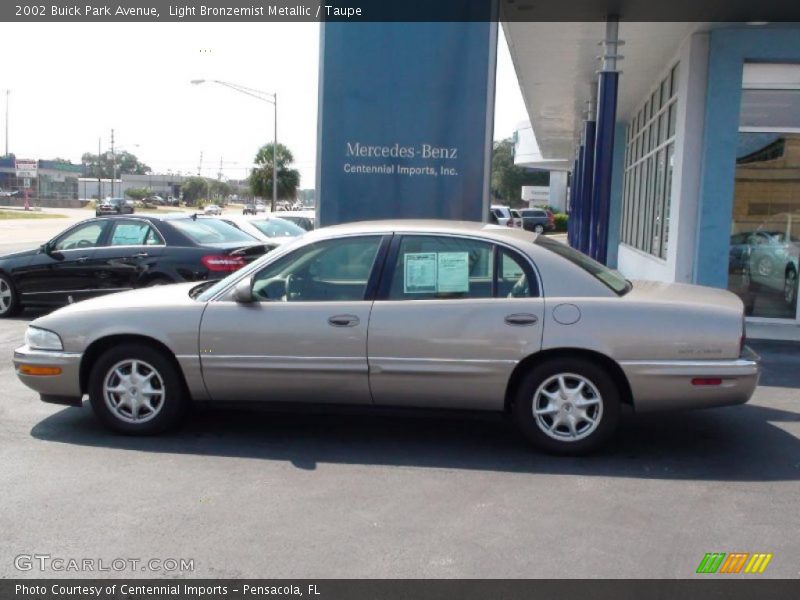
(452, 318)
(133, 247)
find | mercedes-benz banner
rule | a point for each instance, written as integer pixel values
(405, 120)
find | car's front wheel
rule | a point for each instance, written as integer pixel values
(136, 389)
(538, 228)
(567, 406)
(9, 300)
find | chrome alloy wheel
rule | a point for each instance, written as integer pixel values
(134, 391)
(567, 407)
(5, 297)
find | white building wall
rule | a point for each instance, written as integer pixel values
(678, 265)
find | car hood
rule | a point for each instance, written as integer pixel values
(684, 293)
(143, 299)
(22, 254)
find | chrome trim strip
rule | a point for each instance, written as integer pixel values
(124, 289)
(712, 364)
(24, 352)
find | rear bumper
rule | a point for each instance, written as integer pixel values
(668, 385)
(63, 388)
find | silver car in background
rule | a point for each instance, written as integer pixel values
(408, 314)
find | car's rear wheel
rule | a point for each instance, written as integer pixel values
(136, 389)
(538, 228)
(9, 300)
(790, 287)
(567, 406)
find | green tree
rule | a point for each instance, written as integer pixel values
(261, 176)
(507, 178)
(220, 189)
(194, 188)
(103, 165)
(138, 193)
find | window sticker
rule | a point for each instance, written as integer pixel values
(453, 272)
(420, 273)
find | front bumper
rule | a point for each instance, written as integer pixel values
(668, 385)
(63, 388)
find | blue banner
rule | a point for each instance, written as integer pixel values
(405, 120)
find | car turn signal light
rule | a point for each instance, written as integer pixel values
(38, 370)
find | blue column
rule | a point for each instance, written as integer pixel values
(603, 163)
(573, 220)
(587, 160)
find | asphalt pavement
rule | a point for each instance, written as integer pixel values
(246, 493)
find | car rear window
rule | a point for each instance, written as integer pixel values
(609, 277)
(210, 231)
(278, 228)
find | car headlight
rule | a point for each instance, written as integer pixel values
(42, 339)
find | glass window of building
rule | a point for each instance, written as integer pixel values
(765, 229)
(647, 185)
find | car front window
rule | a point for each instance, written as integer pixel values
(85, 236)
(609, 277)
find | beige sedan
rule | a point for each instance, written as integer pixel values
(409, 314)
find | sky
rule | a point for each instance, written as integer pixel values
(72, 83)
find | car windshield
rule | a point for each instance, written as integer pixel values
(210, 231)
(609, 277)
(278, 228)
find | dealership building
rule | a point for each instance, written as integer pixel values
(682, 148)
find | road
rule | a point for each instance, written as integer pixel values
(251, 493)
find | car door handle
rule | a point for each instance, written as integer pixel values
(82, 259)
(521, 319)
(343, 320)
(141, 255)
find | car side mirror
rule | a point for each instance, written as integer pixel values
(46, 248)
(243, 291)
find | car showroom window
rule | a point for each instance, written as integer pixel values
(85, 236)
(134, 233)
(330, 270)
(430, 267)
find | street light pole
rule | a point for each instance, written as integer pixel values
(8, 92)
(270, 98)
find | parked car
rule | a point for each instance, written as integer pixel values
(773, 257)
(112, 254)
(260, 207)
(272, 230)
(249, 208)
(516, 217)
(301, 218)
(502, 214)
(538, 220)
(458, 315)
(114, 206)
(212, 209)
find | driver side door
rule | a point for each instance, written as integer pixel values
(67, 271)
(303, 338)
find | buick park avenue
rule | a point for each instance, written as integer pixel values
(402, 314)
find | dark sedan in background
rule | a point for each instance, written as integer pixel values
(113, 206)
(112, 254)
(538, 220)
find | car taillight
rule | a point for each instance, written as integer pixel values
(221, 262)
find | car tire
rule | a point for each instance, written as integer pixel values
(9, 299)
(538, 228)
(790, 287)
(561, 391)
(121, 403)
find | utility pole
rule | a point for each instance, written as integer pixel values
(113, 164)
(200, 166)
(99, 171)
(8, 92)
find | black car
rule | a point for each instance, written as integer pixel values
(112, 254)
(537, 219)
(113, 206)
